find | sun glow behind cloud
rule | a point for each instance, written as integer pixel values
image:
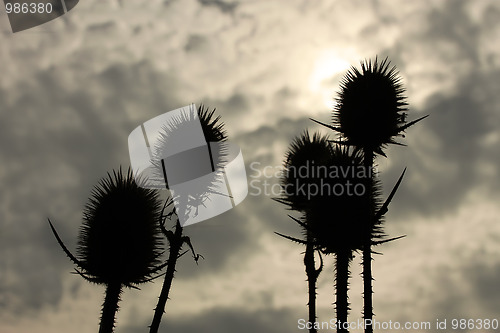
(327, 65)
(267, 67)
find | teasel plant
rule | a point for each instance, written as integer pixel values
(303, 153)
(119, 242)
(370, 113)
(335, 219)
(216, 137)
(332, 221)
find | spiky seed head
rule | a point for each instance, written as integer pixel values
(174, 133)
(119, 240)
(337, 216)
(215, 135)
(329, 184)
(371, 106)
(306, 155)
(213, 127)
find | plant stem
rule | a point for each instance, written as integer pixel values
(367, 254)
(312, 277)
(110, 307)
(343, 259)
(175, 247)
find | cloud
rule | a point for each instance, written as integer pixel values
(223, 6)
(229, 320)
(483, 280)
(446, 154)
(57, 143)
(72, 90)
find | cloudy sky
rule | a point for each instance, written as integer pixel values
(73, 89)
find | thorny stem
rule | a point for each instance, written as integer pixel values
(367, 255)
(110, 307)
(175, 247)
(343, 259)
(312, 277)
(176, 240)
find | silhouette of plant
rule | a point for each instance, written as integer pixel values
(215, 136)
(334, 216)
(176, 240)
(371, 111)
(305, 152)
(337, 219)
(175, 134)
(119, 241)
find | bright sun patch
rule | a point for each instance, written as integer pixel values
(326, 66)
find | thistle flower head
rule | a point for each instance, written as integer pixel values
(337, 217)
(174, 133)
(306, 154)
(215, 136)
(119, 239)
(213, 127)
(371, 107)
(214, 152)
(330, 185)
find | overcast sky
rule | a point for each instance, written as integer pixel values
(73, 89)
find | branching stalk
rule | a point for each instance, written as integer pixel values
(175, 247)
(312, 278)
